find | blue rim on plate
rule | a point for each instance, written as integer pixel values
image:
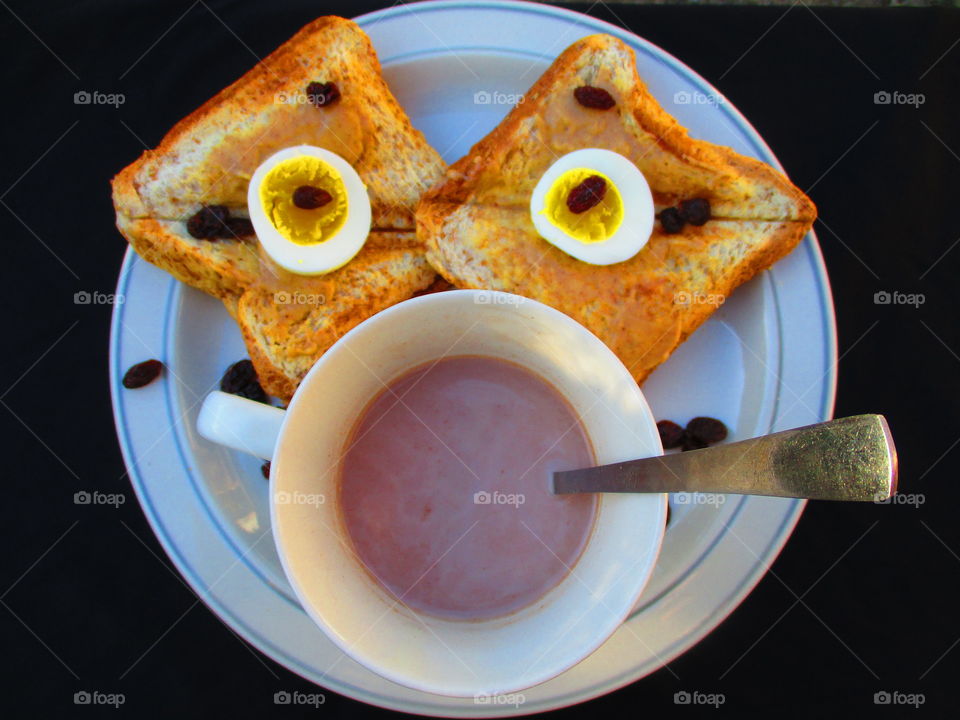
(259, 609)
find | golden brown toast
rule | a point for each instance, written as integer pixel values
(209, 157)
(478, 231)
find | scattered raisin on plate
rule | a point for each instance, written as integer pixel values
(594, 97)
(671, 434)
(587, 194)
(695, 211)
(323, 94)
(241, 379)
(265, 470)
(699, 433)
(707, 430)
(142, 374)
(671, 220)
(692, 443)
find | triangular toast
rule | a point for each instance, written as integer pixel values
(208, 158)
(478, 231)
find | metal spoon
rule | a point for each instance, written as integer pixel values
(846, 459)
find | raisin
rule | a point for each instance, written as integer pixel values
(323, 94)
(695, 211)
(692, 443)
(241, 379)
(587, 194)
(265, 470)
(208, 223)
(594, 97)
(671, 434)
(308, 197)
(671, 220)
(238, 228)
(142, 374)
(707, 430)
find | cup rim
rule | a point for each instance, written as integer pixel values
(307, 603)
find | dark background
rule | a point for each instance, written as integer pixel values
(863, 598)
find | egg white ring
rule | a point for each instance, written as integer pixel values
(638, 212)
(325, 256)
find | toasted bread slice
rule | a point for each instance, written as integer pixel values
(209, 157)
(478, 231)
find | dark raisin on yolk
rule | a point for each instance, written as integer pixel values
(587, 194)
(308, 197)
(695, 211)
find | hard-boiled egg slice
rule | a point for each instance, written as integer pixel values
(309, 208)
(613, 229)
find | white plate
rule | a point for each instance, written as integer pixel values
(764, 362)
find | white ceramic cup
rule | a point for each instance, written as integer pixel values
(305, 443)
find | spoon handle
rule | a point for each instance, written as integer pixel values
(850, 458)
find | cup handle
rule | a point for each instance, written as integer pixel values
(241, 424)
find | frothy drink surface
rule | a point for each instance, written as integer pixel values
(444, 488)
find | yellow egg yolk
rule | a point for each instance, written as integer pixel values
(594, 225)
(304, 227)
